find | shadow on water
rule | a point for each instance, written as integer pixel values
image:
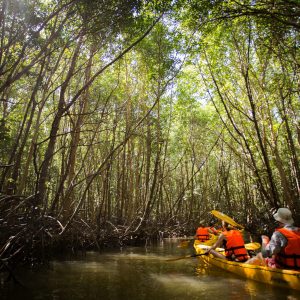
(136, 274)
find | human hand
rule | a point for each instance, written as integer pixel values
(265, 239)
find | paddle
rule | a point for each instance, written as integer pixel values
(222, 216)
(203, 247)
(225, 218)
(187, 256)
(252, 246)
(248, 246)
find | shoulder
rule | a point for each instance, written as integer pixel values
(287, 228)
(292, 228)
(278, 238)
(277, 234)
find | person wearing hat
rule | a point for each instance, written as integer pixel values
(283, 249)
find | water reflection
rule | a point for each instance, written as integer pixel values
(137, 274)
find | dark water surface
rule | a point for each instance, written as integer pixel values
(140, 273)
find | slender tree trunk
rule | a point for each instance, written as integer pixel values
(44, 174)
(259, 180)
(40, 106)
(19, 154)
(274, 193)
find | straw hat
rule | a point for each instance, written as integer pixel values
(284, 216)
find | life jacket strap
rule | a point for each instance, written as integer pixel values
(239, 257)
(202, 237)
(289, 255)
(295, 257)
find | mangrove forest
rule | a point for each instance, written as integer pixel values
(124, 121)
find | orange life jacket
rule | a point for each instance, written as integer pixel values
(235, 246)
(289, 256)
(202, 234)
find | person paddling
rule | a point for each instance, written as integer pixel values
(234, 245)
(283, 250)
(213, 229)
(202, 232)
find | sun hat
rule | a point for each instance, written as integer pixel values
(284, 216)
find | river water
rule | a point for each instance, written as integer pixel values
(139, 273)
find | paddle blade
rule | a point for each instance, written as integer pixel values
(184, 257)
(252, 246)
(225, 218)
(179, 258)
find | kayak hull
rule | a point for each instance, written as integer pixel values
(277, 277)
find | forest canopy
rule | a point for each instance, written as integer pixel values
(122, 120)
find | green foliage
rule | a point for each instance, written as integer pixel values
(107, 17)
(203, 112)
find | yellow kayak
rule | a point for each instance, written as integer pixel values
(210, 242)
(277, 277)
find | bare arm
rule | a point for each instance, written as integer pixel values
(219, 241)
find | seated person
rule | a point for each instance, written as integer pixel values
(202, 232)
(234, 245)
(283, 250)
